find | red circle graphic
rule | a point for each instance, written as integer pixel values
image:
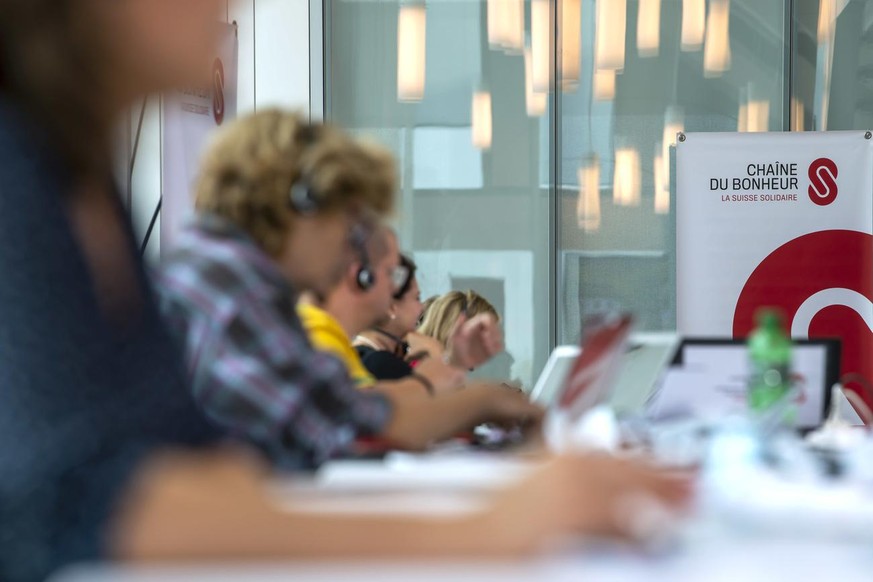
(803, 267)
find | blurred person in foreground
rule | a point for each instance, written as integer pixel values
(285, 206)
(91, 387)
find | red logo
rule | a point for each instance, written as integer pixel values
(823, 181)
(218, 91)
(823, 282)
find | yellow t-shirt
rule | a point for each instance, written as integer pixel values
(327, 335)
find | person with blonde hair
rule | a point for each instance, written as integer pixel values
(94, 410)
(386, 350)
(453, 314)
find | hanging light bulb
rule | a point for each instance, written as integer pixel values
(717, 50)
(411, 56)
(759, 115)
(535, 102)
(828, 13)
(674, 123)
(493, 22)
(505, 25)
(743, 112)
(571, 43)
(611, 28)
(797, 115)
(604, 85)
(626, 182)
(588, 202)
(662, 192)
(826, 20)
(482, 120)
(754, 114)
(649, 28)
(693, 24)
(540, 46)
(513, 35)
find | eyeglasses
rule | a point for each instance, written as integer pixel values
(399, 278)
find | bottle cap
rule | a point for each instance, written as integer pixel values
(769, 317)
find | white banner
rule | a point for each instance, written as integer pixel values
(189, 119)
(782, 220)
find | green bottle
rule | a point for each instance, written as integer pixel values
(770, 362)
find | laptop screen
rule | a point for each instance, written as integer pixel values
(720, 370)
(591, 378)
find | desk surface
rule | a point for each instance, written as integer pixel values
(712, 560)
(713, 549)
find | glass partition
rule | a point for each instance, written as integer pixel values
(670, 66)
(534, 136)
(832, 65)
(427, 81)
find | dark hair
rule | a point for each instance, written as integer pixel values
(51, 55)
(410, 266)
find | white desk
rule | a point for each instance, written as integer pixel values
(447, 481)
(712, 550)
(715, 559)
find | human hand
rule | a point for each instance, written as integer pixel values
(598, 495)
(473, 342)
(508, 408)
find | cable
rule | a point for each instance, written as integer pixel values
(854, 399)
(860, 406)
(133, 155)
(148, 234)
(130, 168)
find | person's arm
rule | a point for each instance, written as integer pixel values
(432, 376)
(419, 420)
(186, 507)
(419, 343)
(267, 382)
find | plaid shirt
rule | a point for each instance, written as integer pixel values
(251, 364)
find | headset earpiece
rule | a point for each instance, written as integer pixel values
(302, 199)
(365, 278)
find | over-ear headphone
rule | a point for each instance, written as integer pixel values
(365, 277)
(302, 198)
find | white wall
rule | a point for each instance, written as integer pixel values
(274, 61)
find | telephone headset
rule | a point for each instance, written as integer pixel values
(305, 201)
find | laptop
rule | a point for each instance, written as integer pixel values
(643, 365)
(554, 374)
(593, 373)
(711, 377)
(574, 380)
